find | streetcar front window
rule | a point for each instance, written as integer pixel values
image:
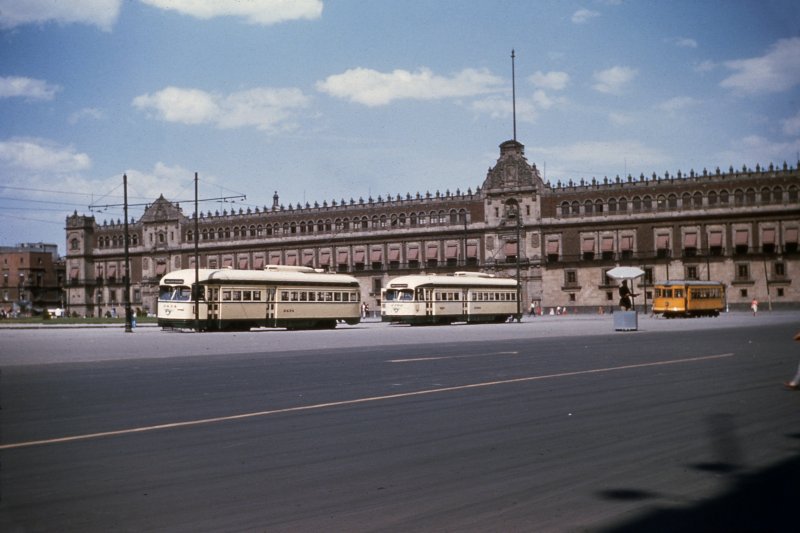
(394, 295)
(174, 293)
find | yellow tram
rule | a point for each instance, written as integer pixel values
(278, 296)
(688, 298)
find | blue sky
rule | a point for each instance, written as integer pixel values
(323, 99)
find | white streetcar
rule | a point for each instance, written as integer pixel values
(461, 297)
(278, 296)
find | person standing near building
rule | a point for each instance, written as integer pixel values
(626, 296)
(533, 308)
(754, 306)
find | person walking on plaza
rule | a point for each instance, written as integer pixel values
(533, 308)
(794, 384)
(754, 306)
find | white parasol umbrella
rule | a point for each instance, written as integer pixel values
(625, 273)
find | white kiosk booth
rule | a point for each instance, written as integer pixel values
(626, 320)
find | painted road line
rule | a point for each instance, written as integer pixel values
(243, 416)
(440, 357)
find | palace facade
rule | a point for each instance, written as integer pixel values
(739, 227)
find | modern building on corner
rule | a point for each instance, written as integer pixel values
(32, 279)
(739, 227)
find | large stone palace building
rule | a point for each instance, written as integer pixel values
(739, 227)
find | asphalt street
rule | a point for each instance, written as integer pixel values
(555, 424)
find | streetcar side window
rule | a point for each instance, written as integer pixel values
(256, 296)
(226, 296)
(284, 296)
(237, 296)
(247, 296)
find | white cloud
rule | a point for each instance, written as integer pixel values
(555, 81)
(705, 66)
(263, 12)
(614, 79)
(778, 70)
(684, 42)
(263, 108)
(372, 88)
(173, 181)
(603, 157)
(31, 89)
(583, 16)
(754, 149)
(38, 155)
(176, 104)
(791, 125)
(100, 13)
(677, 103)
(86, 113)
(528, 109)
(618, 118)
(498, 107)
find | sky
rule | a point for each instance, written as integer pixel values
(325, 100)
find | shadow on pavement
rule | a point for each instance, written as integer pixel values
(764, 501)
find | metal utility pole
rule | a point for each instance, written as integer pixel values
(519, 250)
(127, 275)
(127, 270)
(196, 258)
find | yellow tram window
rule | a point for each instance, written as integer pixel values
(678, 293)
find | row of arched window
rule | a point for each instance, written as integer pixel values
(337, 225)
(672, 202)
(116, 241)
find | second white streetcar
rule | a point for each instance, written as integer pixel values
(461, 297)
